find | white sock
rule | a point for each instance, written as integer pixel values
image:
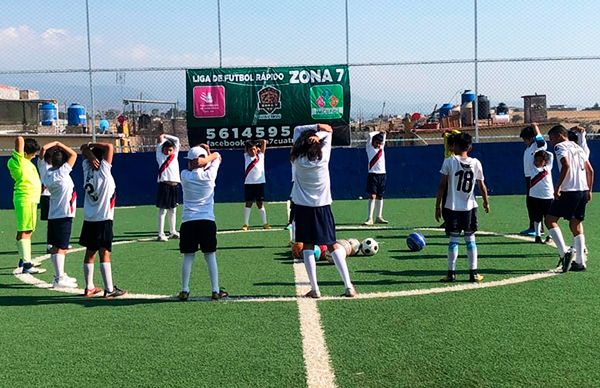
(370, 210)
(379, 207)
(161, 221)
(263, 214)
(106, 271)
(55, 266)
(311, 268)
(186, 270)
(88, 274)
(172, 213)
(339, 258)
(60, 264)
(453, 252)
(247, 215)
(579, 245)
(471, 251)
(213, 270)
(558, 239)
(537, 226)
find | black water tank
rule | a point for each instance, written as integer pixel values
(483, 107)
(502, 109)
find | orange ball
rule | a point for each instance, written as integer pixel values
(297, 250)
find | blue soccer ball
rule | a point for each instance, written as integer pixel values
(415, 241)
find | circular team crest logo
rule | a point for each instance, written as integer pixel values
(269, 99)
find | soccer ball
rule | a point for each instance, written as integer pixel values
(297, 250)
(346, 245)
(324, 252)
(369, 247)
(355, 246)
(415, 241)
(317, 252)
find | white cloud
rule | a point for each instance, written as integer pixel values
(55, 37)
(15, 35)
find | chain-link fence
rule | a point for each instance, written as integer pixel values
(410, 62)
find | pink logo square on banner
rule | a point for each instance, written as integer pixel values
(209, 101)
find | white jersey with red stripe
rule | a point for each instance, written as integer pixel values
(42, 169)
(463, 174)
(100, 192)
(168, 166)
(376, 156)
(256, 174)
(63, 197)
(576, 179)
(540, 185)
(199, 192)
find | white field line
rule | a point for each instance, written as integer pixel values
(317, 362)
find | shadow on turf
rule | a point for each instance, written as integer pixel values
(417, 273)
(33, 300)
(417, 256)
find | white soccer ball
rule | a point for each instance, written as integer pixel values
(355, 246)
(369, 247)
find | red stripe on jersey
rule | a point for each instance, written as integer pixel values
(73, 201)
(375, 158)
(538, 178)
(113, 200)
(251, 166)
(165, 164)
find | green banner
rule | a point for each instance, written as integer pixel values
(226, 107)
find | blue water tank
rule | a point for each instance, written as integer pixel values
(48, 113)
(467, 96)
(445, 109)
(76, 115)
(103, 126)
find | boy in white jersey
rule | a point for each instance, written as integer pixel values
(541, 190)
(573, 191)
(376, 178)
(167, 199)
(254, 181)
(198, 227)
(98, 208)
(43, 164)
(61, 211)
(534, 141)
(459, 174)
(311, 194)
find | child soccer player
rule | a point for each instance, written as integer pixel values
(254, 183)
(43, 164)
(98, 213)
(541, 190)
(63, 202)
(291, 225)
(311, 193)
(571, 194)
(459, 173)
(577, 134)
(25, 197)
(376, 176)
(167, 151)
(534, 141)
(198, 227)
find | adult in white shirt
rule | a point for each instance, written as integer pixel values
(376, 177)
(572, 193)
(254, 180)
(311, 194)
(167, 199)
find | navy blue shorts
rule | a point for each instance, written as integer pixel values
(570, 205)
(44, 207)
(254, 192)
(376, 184)
(198, 233)
(314, 225)
(59, 232)
(96, 235)
(167, 196)
(460, 221)
(539, 208)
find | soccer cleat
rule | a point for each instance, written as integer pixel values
(381, 220)
(219, 295)
(576, 267)
(548, 239)
(162, 238)
(245, 227)
(89, 292)
(115, 293)
(266, 226)
(528, 232)
(183, 296)
(475, 278)
(288, 227)
(449, 278)
(63, 283)
(350, 292)
(368, 222)
(538, 240)
(174, 236)
(69, 278)
(566, 261)
(20, 264)
(313, 294)
(29, 268)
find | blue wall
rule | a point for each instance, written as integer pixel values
(412, 172)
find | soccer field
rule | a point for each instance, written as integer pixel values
(405, 329)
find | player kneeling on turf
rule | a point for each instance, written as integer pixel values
(198, 227)
(459, 173)
(98, 213)
(312, 195)
(61, 210)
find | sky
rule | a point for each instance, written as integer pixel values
(40, 35)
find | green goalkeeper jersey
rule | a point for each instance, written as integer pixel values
(28, 187)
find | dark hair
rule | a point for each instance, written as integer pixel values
(558, 130)
(451, 138)
(462, 142)
(303, 148)
(57, 157)
(98, 152)
(249, 144)
(31, 146)
(167, 144)
(572, 135)
(378, 138)
(527, 133)
(542, 154)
